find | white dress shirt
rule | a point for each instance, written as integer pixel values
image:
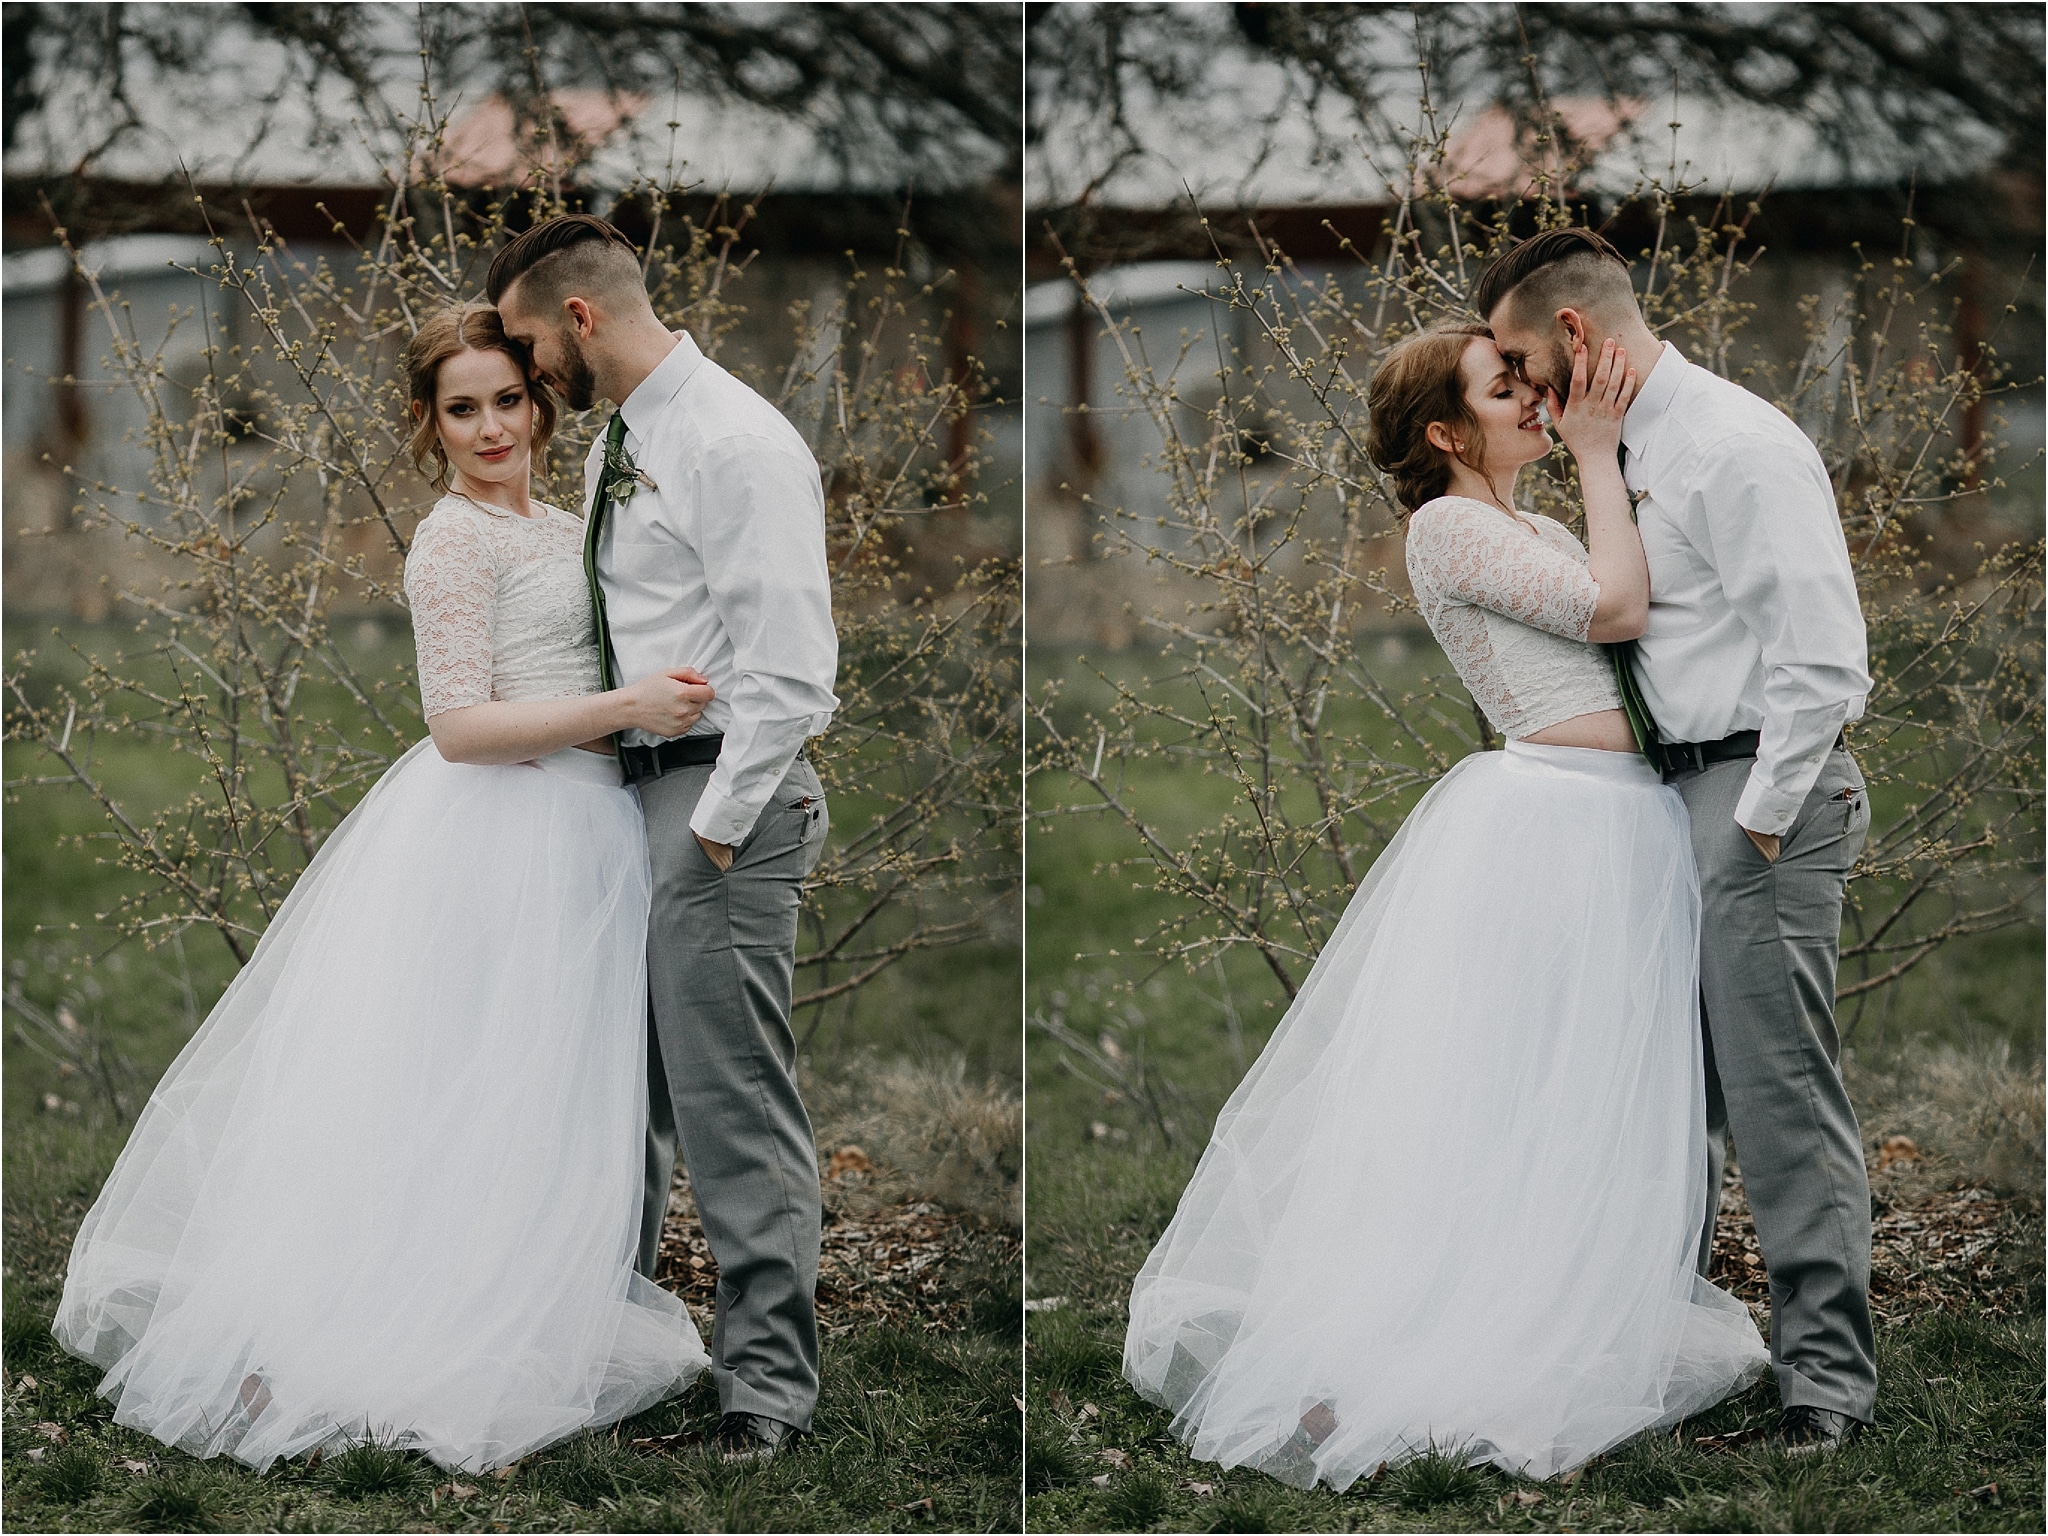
(720, 565)
(1754, 623)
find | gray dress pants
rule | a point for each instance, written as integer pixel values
(1770, 935)
(721, 1070)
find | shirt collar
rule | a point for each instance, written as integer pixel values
(661, 386)
(1653, 398)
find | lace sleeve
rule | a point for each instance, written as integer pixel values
(451, 584)
(1464, 552)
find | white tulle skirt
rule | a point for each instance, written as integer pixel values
(392, 1186)
(1457, 1202)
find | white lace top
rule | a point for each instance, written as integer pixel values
(500, 607)
(1511, 608)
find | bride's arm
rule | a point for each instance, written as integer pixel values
(451, 586)
(663, 704)
(1591, 428)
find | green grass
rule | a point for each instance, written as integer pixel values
(1104, 1173)
(905, 1415)
(940, 1425)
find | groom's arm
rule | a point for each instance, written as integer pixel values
(762, 521)
(1777, 545)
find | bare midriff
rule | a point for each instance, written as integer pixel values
(1605, 730)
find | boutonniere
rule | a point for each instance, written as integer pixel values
(622, 477)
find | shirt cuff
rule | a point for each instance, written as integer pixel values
(1766, 810)
(721, 819)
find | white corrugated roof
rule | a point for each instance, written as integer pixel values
(213, 122)
(1255, 134)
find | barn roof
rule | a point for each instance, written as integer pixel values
(1255, 134)
(224, 119)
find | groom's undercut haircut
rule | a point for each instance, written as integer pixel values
(577, 255)
(1561, 268)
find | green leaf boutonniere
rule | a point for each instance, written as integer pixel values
(622, 477)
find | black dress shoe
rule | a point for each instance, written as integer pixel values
(752, 1437)
(1803, 1430)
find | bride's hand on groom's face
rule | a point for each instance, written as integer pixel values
(1589, 423)
(668, 703)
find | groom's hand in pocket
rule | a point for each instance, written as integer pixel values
(1767, 843)
(719, 854)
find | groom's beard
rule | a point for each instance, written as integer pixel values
(1560, 371)
(577, 384)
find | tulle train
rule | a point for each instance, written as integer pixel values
(1456, 1203)
(391, 1188)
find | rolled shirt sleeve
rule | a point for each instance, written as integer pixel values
(762, 517)
(1777, 545)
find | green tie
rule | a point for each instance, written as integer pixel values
(607, 662)
(1623, 654)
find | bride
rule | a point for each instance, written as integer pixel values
(392, 1186)
(1456, 1204)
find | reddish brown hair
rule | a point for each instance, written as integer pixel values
(1418, 383)
(470, 327)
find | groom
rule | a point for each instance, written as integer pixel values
(1753, 661)
(705, 544)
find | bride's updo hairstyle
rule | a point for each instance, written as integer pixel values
(1418, 383)
(469, 327)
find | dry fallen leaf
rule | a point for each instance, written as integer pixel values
(1116, 1458)
(1528, 1498)
(848, 1159)
(463, 1491)
(675, 1442)
(1089, 1410)
(1200, 1490)
(1103, 1480)
(139, 1468)
(50, 1431)
(917, 1507)
(38, 1453)
(506, 1473)
(29, 1384)
(1018, 1401)
(1570, 1477)
(1896, 1149)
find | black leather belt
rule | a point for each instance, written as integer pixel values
(644, 763)
(1698, 756)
